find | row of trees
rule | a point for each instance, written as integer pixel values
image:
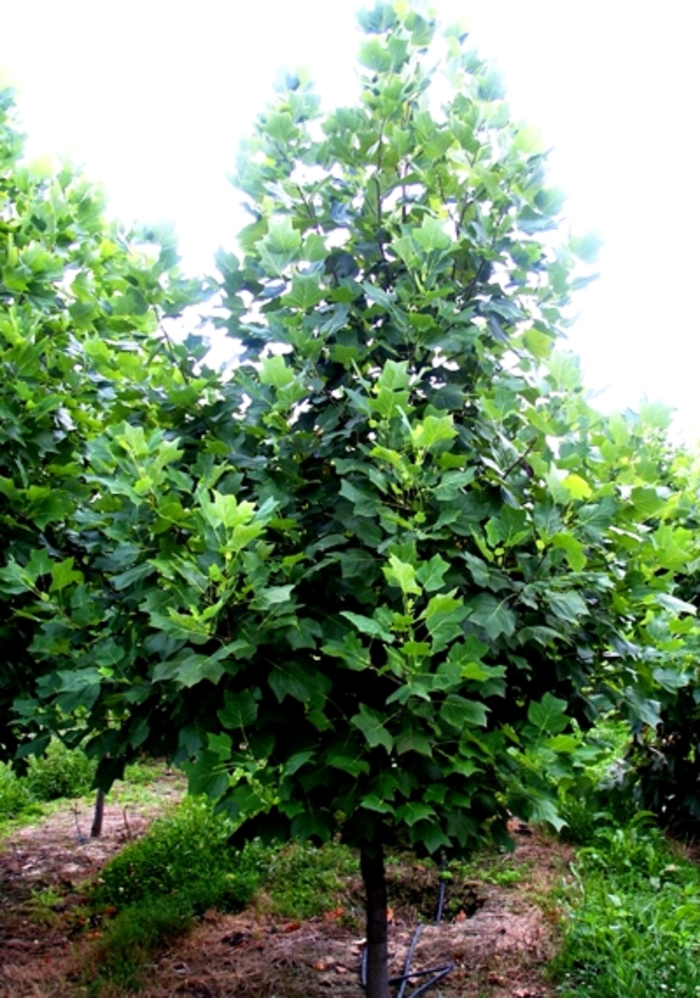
(391, 567)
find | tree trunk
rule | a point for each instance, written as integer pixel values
(372, 866)
(99, 814)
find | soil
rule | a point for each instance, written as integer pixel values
(497, 939)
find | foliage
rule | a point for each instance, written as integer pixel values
(60, 772)
(84, 342)
(633, 926)
(599, 794)
(15, 798)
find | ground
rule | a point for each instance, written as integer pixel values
(498, 929)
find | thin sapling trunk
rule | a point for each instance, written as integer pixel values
(374, 879)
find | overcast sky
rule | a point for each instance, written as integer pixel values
(153, 96)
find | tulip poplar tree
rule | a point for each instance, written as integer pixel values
(378, 571)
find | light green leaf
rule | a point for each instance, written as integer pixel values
(274, 371)
(586, 247)
(305, 294)
(280, 247)
(430, 235)
(369, 626)
(578, 487)
(675, 605)
(400, 573)
(433, 430)
(226, 511)
(394, 376)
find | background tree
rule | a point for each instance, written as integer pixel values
(383, 567)
(82, 305)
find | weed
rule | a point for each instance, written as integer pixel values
(184, 855)
(303, 880)
(498, 869)
(135, 935)
(42, 906)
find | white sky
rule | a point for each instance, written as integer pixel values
(152, 97)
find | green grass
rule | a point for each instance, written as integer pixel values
(633, 925)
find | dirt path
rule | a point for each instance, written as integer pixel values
(497, 938)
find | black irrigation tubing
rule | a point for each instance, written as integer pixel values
(408, 975)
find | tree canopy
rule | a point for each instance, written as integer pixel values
(387, 569)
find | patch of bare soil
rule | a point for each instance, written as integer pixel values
(497, 938)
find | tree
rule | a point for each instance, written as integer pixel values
(81, 345)
(383, 568)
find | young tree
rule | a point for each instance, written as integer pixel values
(383, 566)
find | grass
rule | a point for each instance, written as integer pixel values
(633, 921)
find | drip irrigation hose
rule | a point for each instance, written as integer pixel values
(437, 973)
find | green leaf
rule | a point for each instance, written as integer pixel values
(400, 573)
(371, 724)
(240, 710)
(272, 596)
(568, 607)
(492, 614)
(430, 835)
(549, 715)
(373, 803)
(433, 430)
(461, 713)
(544, 810)
(572, 548)
(414, 811)
(63, 575)
(431, 573)
(306, 293)
(274, 371)
(291, 679)
(368, 625)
